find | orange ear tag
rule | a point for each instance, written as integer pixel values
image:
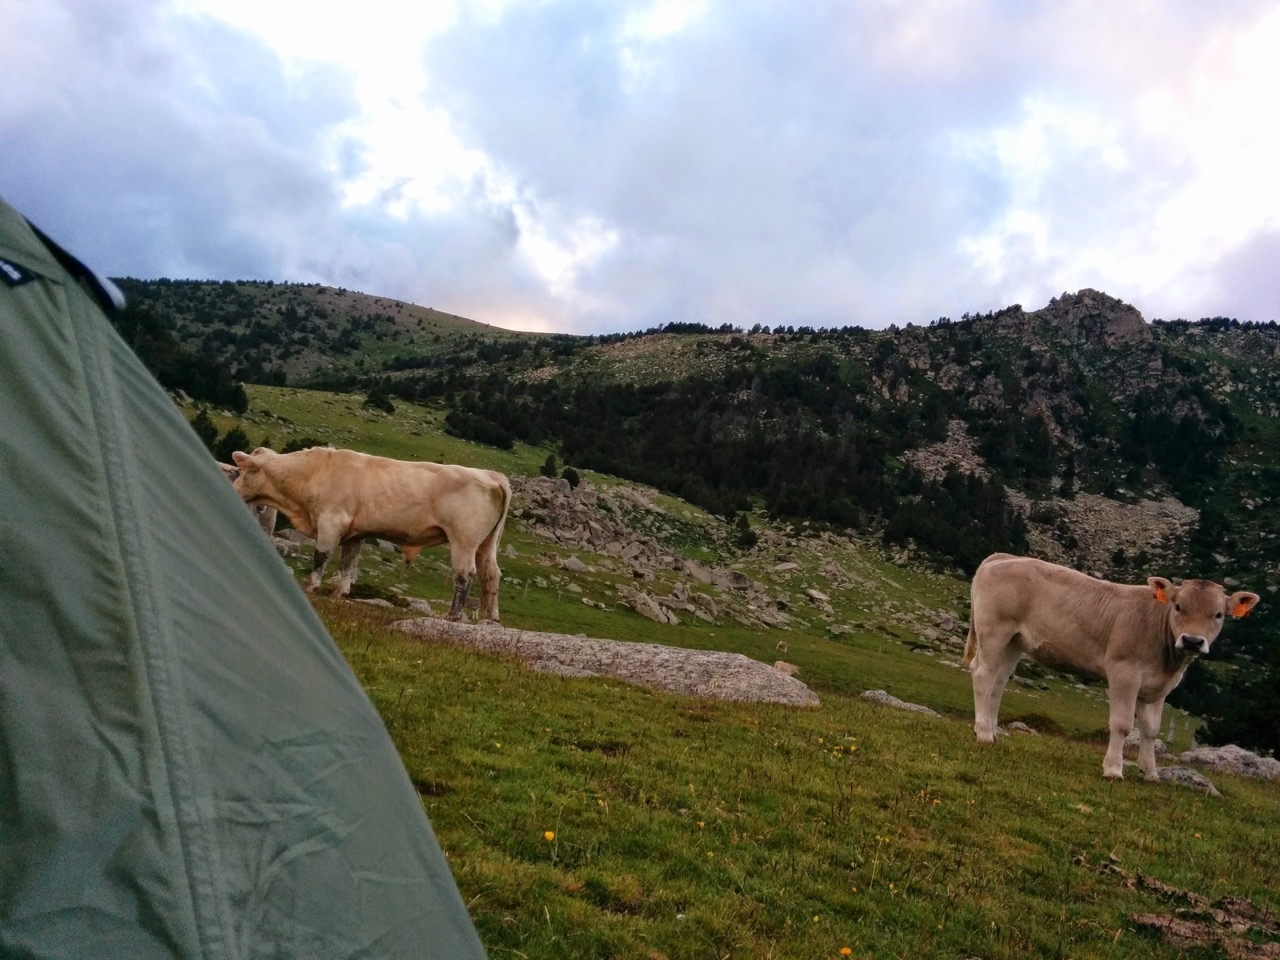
(1241, 610)
(1161, 595)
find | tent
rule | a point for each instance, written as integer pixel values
(188, 767)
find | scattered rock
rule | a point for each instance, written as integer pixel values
(698, 572)
(573, 564)
(1233, 760)
(644, 605)
(286, 547)
(707, 603)
(1184, 777)
(732, 580)
(885, 699)
(1021, 727)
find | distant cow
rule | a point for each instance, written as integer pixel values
(1140, 639)
(343, 497)
(266, 516)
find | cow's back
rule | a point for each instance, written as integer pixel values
(1057, 615)
(408, 502)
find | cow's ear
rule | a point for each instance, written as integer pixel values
(1161, 588)
(1241, 603)
(240, 458)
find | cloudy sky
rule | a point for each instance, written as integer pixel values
(601, 165)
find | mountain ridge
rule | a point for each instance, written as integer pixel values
(1078, 431)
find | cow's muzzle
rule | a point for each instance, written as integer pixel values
(1193, 644)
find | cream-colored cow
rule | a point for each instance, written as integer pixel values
(342, 497)
(1140, 639)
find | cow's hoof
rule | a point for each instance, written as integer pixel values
(1112, 775)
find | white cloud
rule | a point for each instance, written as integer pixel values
(570, 164)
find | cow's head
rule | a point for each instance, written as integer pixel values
(1197, 609)
(249, 479)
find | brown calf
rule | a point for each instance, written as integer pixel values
(1140, 639)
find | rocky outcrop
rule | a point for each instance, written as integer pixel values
(697, 673)
(605, 523)
(581, 517)
(1084, 531)
(1091, 316)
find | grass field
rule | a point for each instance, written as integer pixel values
(589, 818)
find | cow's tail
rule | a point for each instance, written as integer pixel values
(970, 645)
(489, 545)
(487, 557)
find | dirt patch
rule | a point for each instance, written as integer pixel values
(1234, 925)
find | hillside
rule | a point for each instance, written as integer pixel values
(1079, 431)
(594, 818)
(286, 331)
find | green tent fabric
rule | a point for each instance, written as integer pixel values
(188, 767)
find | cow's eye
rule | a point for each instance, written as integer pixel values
(1177, 607)
(1218, 615)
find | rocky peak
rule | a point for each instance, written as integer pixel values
(1092, 316)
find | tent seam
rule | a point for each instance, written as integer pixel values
(152, 633)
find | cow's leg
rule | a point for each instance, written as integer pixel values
(490, 576)
(328, 535)
(1122, 693)
(317, 567)
(994, 663)
(461, 587)
(1149, 729)
(349, 567)
(463, 561)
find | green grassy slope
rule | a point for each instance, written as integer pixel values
(589, 818)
